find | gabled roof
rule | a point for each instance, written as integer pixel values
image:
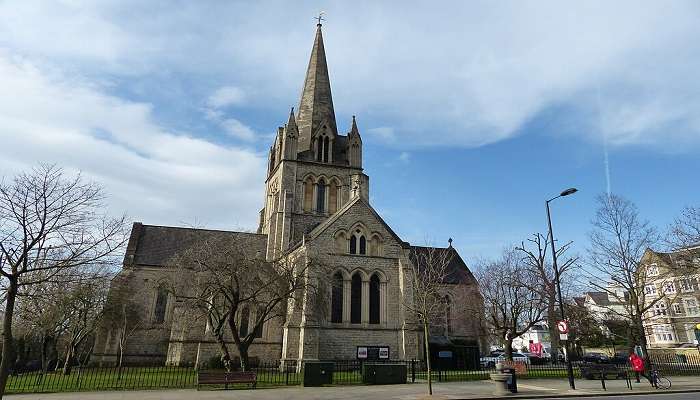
(153, 245)
(457, 270)
(328, 222)
(599, 298)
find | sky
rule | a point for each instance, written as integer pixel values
(472, 114)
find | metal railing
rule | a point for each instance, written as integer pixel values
(289, 373)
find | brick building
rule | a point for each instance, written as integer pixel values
(316, 201)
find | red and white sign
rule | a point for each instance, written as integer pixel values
(563, 327)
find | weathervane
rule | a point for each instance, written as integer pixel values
(320, 18)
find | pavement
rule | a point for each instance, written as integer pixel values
(528, 388)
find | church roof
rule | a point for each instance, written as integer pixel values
(457, 270)
(153, 245)
(316, 104)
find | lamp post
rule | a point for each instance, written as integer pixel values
(569, 368)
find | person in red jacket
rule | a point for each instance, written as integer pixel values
(637, 364)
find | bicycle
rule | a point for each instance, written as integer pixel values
(659, 381)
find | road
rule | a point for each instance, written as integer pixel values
(659, 396)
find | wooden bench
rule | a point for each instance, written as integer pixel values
(606, 371)
(226, 378)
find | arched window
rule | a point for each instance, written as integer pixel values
(353, 244)
(161, 305)
(326, 149)
(321, 195)
(363, 245)
(308, 194)
(258, 316)
(356, 299)
(319, 149)
(243, 326)
(337, 298)
(374, 299)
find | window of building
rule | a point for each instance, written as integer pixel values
(333, 196)
(243, 325)
(353, 244)
(663, 333)
(326, 149)
(259, 329)
(650, 289)
(374, 299)
(653, 270)
(686, 284)
(677, 309)
(669, 288)
(161, 305)
(323, 149)
(356, 299)
(358, 243)
(660, 309)
(337, 298)
(691, 306)
(321, 195)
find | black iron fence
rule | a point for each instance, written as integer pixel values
(276, 373)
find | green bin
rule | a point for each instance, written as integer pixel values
(318, 373)
(384, 374)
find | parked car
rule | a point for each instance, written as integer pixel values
(497, 356)
(595, 358)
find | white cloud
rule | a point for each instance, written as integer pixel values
(477, 76)
(154, 175)
(405, 157)
(226, 96)
(384, 133)
(237, 129)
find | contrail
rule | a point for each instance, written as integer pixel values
(605, 142)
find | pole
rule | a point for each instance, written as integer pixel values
(569, 368)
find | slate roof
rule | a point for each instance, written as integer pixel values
(458, 272)
(599, 298)
(153, 245)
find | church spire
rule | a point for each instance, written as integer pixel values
(316, 104)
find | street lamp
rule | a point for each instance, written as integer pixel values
(569, 368)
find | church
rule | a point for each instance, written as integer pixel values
(316, 201)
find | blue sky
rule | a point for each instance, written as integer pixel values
(472, 113)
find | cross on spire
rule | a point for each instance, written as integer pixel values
(320, 18)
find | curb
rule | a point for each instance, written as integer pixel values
(574, 395)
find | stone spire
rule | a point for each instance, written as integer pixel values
(316, 104)
(291, 135)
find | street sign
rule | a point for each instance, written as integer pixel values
(562, 327)
(563, 336)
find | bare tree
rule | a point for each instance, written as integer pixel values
(124, 314)
(535, 259)
(512, 307)
(618, 241)
(40, 311)
(684, 232)
(237, 291)
(49, 223)
(426, 306)
(83, 307)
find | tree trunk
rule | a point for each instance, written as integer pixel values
(245, 360)
(509, 349)
(427, 357)
(44, 353)
(67, 364)
(8, 345)
(225, 355)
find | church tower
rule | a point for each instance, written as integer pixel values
(313, 171)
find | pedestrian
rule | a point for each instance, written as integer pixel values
(637, 364)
